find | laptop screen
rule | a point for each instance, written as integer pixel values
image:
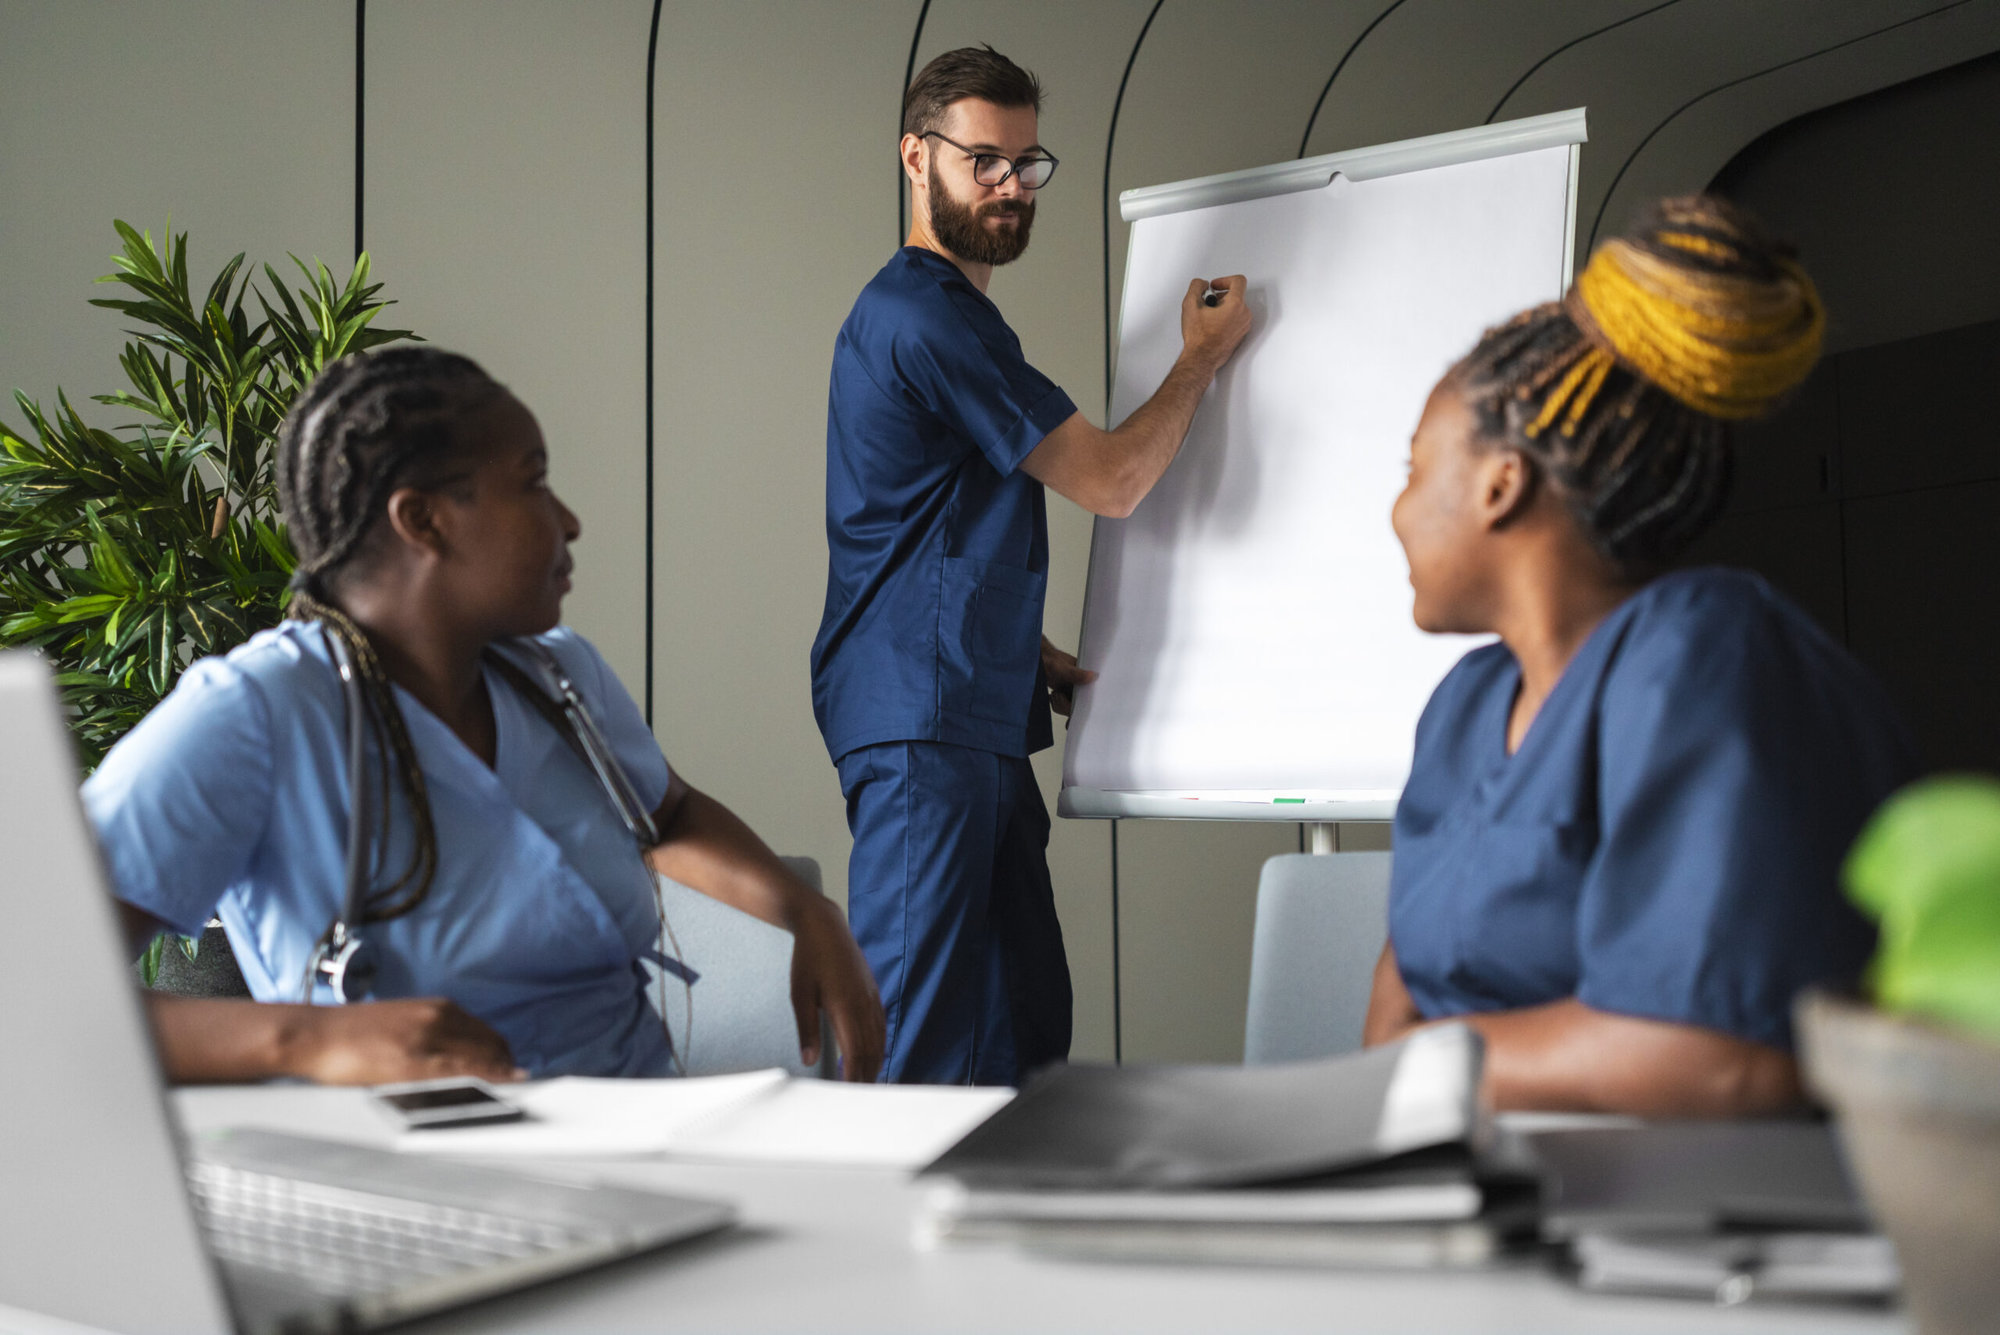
(94, 1188)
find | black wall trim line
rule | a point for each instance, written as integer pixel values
(1632, 157)
(909, 73)
(1347, 55)
(652, 69)
(1117, 990)
(1104, 202)
(1110, 142)
(1515, 87)
(360, 118)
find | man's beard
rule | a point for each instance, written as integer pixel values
(961, 229)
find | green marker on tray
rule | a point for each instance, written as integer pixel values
(1299, 800)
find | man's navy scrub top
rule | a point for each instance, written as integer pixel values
(1666, 842)
(937, 543)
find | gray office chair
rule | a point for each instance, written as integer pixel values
(1321, 922)
(742, 1007)
(213, 972)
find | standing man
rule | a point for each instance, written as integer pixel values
(931, 678)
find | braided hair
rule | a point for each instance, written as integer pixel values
(1622, 392)
(368, 424)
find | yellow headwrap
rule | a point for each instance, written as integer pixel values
(1727, 344)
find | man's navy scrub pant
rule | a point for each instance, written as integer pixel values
(949, 897)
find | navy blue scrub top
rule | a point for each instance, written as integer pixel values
(1666, 841)
(937, 543)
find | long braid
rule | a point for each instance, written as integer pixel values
(414, 881)
(367, 425)
(1622, 392)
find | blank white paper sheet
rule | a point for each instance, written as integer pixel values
(1250, 623)
(755, 1117)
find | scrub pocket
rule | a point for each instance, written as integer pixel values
(989, 639)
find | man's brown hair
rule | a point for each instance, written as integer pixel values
(970, 71)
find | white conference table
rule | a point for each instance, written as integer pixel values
(828, 1250)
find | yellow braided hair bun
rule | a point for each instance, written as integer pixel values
(1623, 392)
(1699, 302)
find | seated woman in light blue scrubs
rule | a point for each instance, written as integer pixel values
(1617, 853)
(509, 906)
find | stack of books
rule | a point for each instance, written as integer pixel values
(1384, 1158)
(1381, 1158)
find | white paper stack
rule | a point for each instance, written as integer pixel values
(759, 1116)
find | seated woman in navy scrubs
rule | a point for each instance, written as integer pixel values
(1616, 855)
(510, 908)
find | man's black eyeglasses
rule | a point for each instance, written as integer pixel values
(991, 169)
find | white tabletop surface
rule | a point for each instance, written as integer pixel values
(828, 1250)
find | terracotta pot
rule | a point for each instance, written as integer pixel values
(1919, 1113)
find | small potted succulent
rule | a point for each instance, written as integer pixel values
(1915, 1078)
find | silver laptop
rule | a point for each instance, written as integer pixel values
(108, 1220)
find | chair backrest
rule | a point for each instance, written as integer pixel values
(738, 1017)
(1322, 919)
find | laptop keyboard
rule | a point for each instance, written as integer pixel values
(338, 1242)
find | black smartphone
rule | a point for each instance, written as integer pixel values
(422, 1105)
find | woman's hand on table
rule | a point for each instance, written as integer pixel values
(214, 1040)
(380, 1042)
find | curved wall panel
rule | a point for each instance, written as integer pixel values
(1635, 77)
(774, 139)
(1217, 88)
(1051, 294)
(1687, 149)
(116, 114)
(1432, 66)
(505, 209)
(1893, 204)
(505, 203)
(1052, 297)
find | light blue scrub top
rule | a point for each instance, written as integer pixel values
(231, 800)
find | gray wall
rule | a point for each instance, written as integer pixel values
(199, 112)
(774, 207)
(505, 206)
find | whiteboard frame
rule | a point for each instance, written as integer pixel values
(1360, 164)
(1440, 150)
(1225, 804)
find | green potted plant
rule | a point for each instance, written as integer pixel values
(1915, 1078)
(126, 554)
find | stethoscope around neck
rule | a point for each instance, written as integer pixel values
(345, 962)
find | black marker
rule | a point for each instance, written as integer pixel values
(1213, 296)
